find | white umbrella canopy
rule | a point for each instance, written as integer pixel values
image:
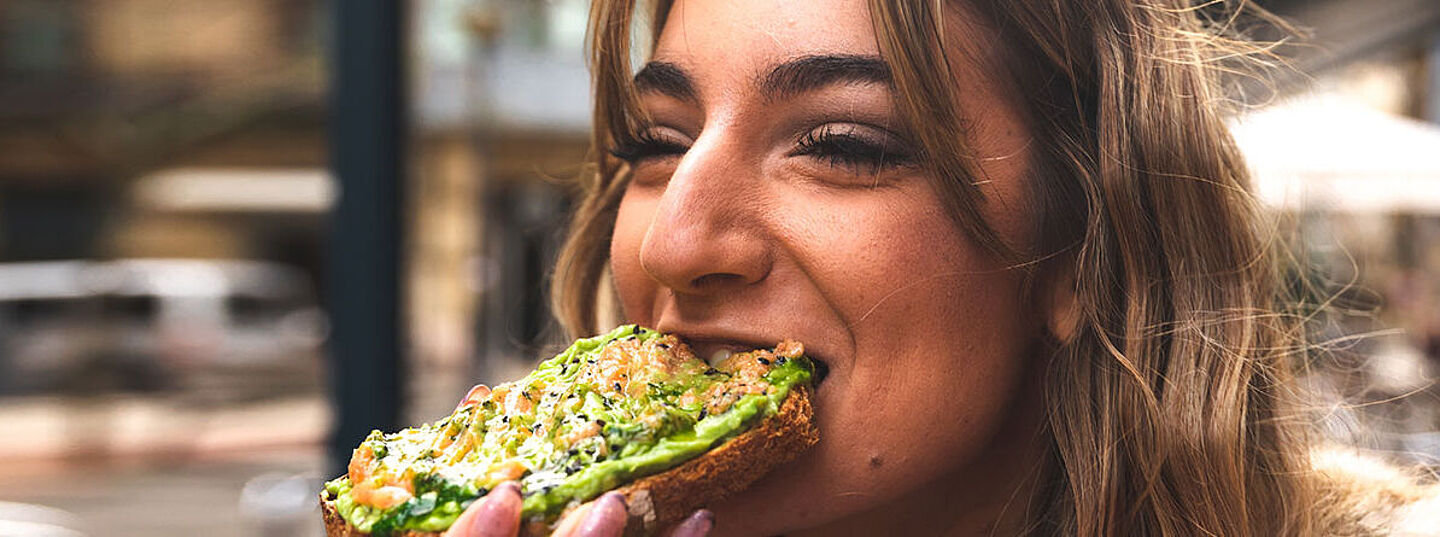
(1322, 153)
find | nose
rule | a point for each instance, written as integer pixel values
(707, 235)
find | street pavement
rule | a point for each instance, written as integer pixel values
(155, 470)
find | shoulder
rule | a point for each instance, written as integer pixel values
(1361, 495)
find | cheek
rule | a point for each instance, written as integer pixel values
(941, 344)
(943, 363)
(903, 269)
(635, 288)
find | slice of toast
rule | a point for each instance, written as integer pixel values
(661, 500)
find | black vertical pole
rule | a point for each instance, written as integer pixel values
(367, 143)
(1432, 82)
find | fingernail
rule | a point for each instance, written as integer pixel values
(606, 519)
(698, 525)
(473, 396)
(499, 511)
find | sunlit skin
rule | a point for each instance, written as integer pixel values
(758, 212)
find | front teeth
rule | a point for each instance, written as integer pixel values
(718, 356)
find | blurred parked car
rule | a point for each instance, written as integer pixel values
(225, 329)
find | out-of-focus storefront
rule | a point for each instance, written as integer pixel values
(162, 199)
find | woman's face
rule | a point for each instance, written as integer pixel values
(776, 196)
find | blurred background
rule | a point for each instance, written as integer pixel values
(172, 235)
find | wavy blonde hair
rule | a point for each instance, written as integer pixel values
(1169, 409)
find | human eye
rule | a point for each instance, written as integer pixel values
(854, 148)
(652, 143)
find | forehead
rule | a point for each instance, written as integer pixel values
(741, 36)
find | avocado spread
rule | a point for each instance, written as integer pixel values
(607, 411)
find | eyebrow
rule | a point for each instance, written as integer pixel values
(793, 77)
(665, 78)
(809, 73)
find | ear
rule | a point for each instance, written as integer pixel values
(1059, 301)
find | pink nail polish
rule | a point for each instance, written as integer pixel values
(697, 525)
(499, 511)
(606, 519)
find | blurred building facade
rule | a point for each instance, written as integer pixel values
(162, 208)
(98, 94)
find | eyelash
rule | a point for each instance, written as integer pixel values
(644, 146)
(846, 147)
(839, 147)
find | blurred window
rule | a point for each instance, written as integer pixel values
(38, 37)
(38, 311)
(130, 308)
(252, 310)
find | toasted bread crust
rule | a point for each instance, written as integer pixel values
(674, 494)
(666, 498)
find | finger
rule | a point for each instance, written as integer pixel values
(604, 517)
(572, 521)
(474, 395)
(698, 525)
(495, 515)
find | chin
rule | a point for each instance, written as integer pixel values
(785, 500)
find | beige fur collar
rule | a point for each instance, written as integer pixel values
(1363, 496)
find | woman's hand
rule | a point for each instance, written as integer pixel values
(498, 515)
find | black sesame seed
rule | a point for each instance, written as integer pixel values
(600, 422)
(763, 361)
(711, 371)
(703, 412)
(781, 360)
(617, 387)
(635, 330)
(664, 346)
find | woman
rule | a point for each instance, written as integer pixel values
(1017, 233)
